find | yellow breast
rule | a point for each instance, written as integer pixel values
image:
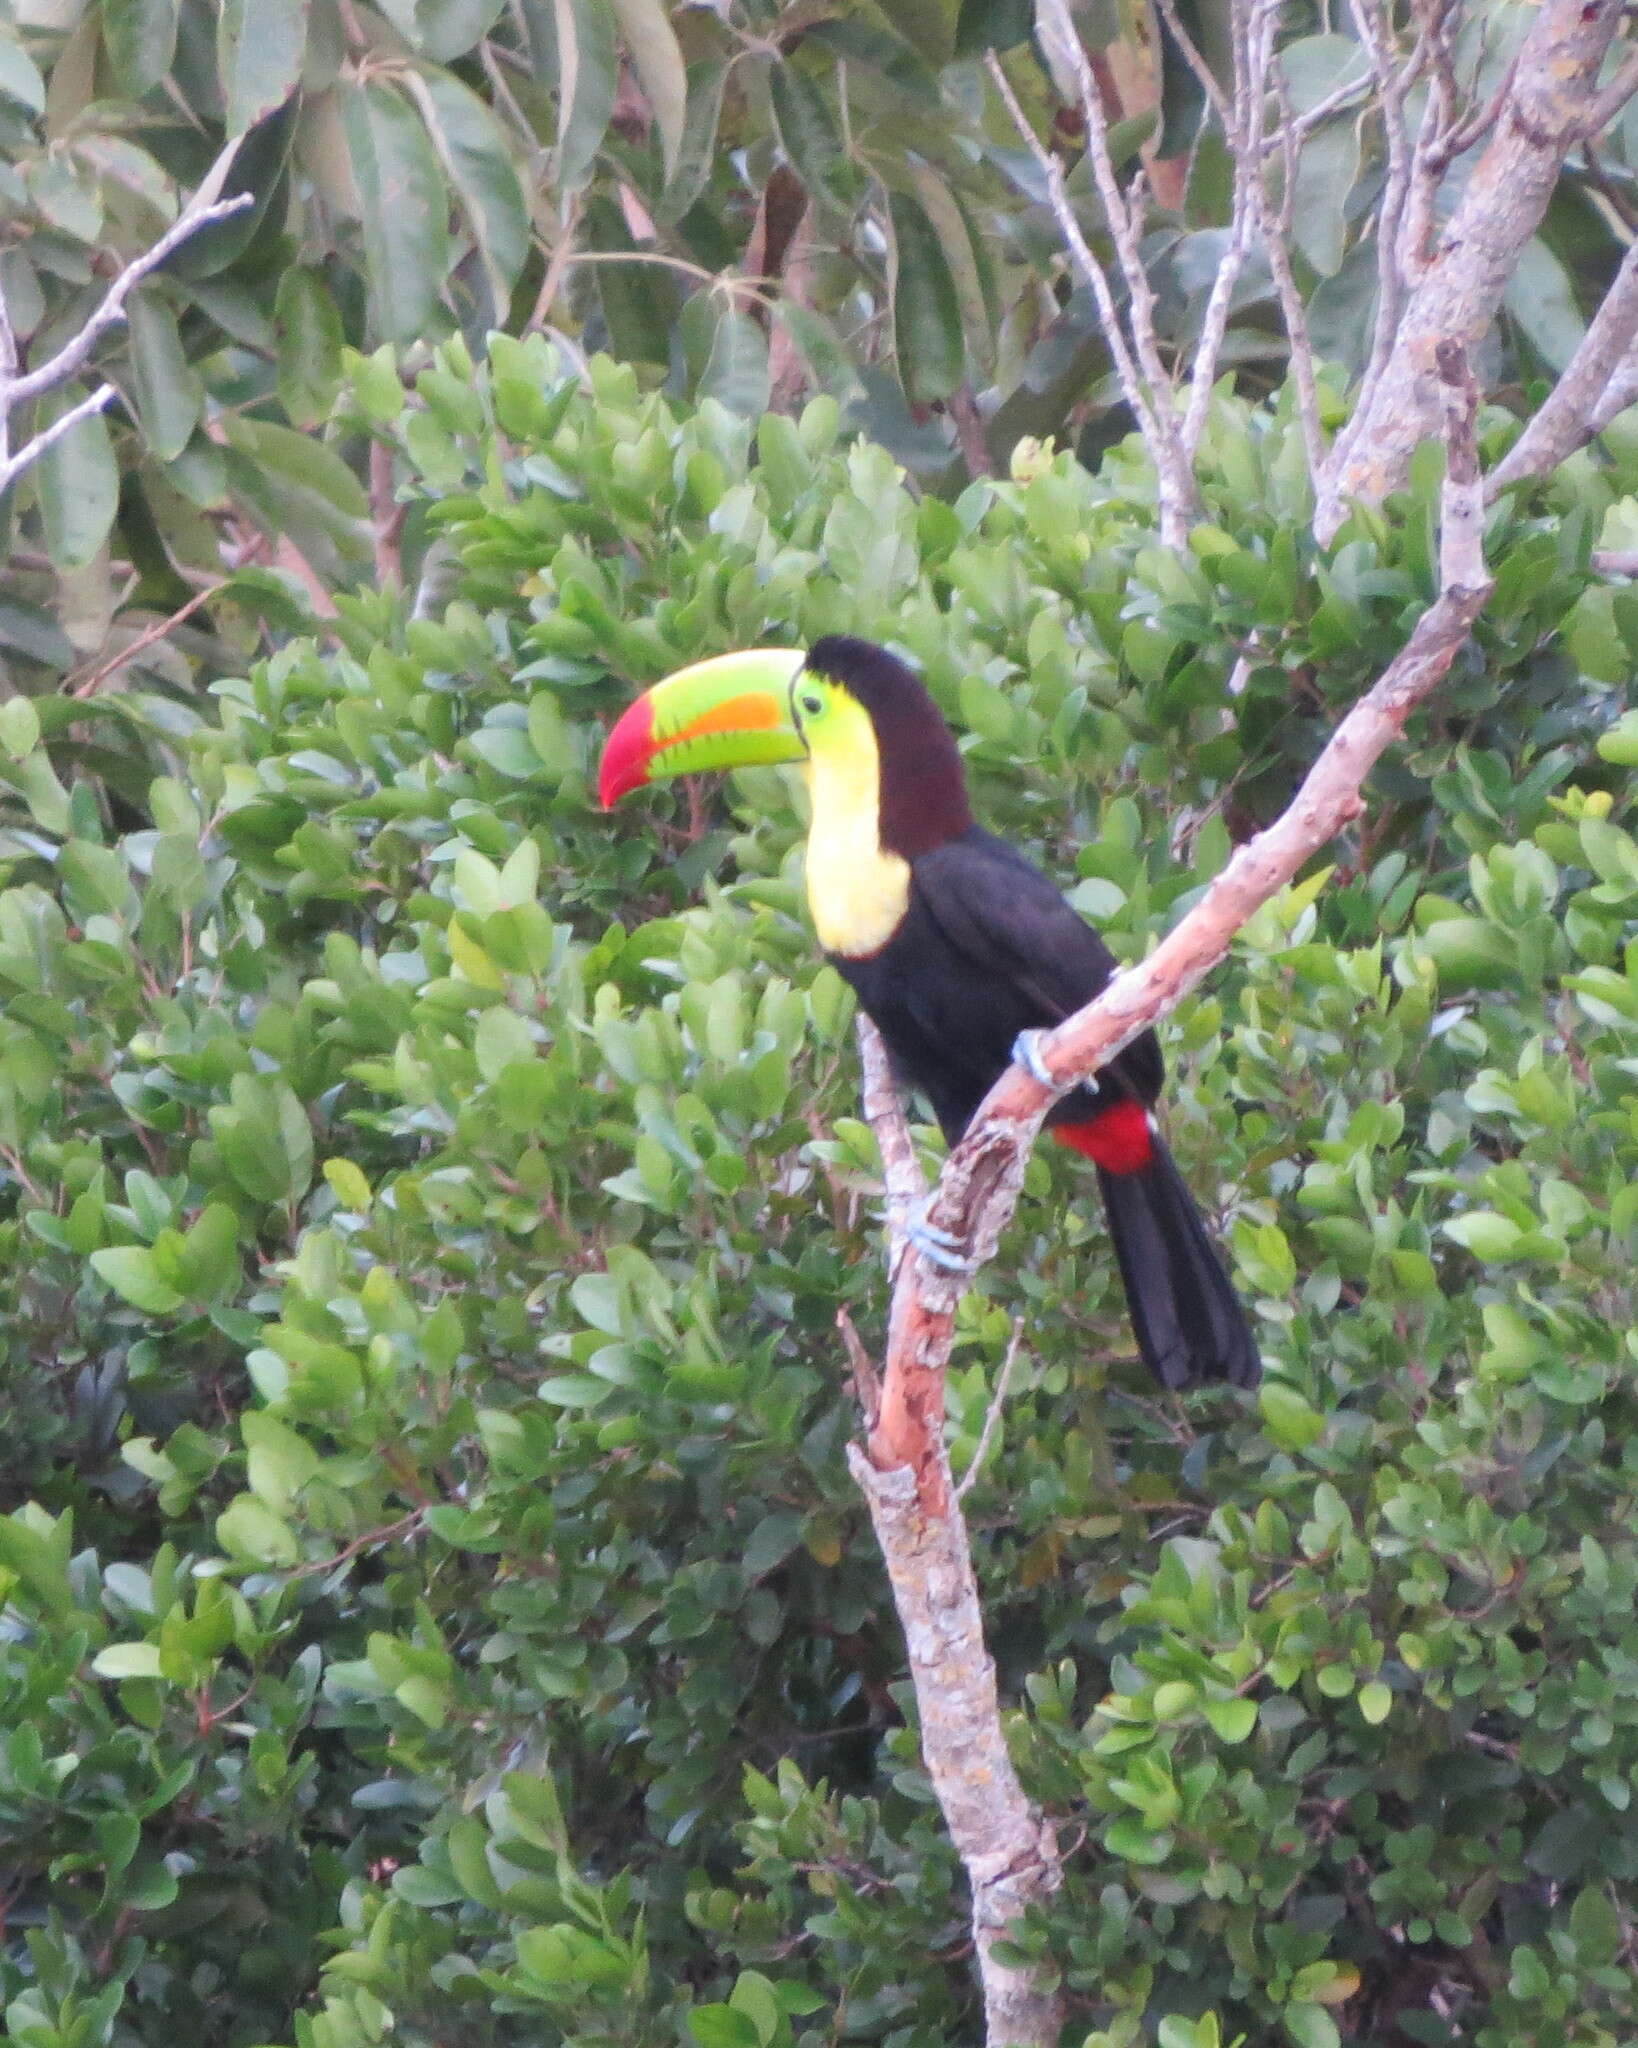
(858, 893)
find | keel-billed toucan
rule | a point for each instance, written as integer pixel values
(954, 943)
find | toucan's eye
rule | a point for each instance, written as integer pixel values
(812, 704)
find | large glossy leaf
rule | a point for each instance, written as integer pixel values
(405, 209)
(811, 139)
(1541, 298)
(926, 306)
(169, 395)
(310, 339)
(736, 371)
(301, 489)
(76, 482)
(473, 151)
(657, 58)
(442, 29)
(140, 38)
(699, 140)
(259, 48)
(587, 74)
(20, 80)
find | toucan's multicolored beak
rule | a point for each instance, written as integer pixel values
(733, 711)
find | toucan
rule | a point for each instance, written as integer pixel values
(956, 945)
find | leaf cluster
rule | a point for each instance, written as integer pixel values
(435, 1604)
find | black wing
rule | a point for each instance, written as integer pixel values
(1004, 916)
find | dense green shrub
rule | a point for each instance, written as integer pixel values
(435, 1605)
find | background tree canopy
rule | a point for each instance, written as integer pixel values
(433, 1602)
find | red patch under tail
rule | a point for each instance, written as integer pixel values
(1118, 1138)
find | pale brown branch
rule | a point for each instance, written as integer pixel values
(981, 1178)
(1614, 96)
(1007, 1846)
(992, 1414)
(145, 639)
(48, 437)
(1276, 228)
(387, 517)
(17, 388)
(903, 1181)
(1542, 116)
(1567, 417)
(1080, 250)
(1124, 218)
(1242, 127)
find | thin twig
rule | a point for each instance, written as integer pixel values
(1092, 271)
(1242, 128)
(1276, 227)
(202, 209)
(867, 1386)
(1565, 421)
(1614, 96)
(19, 388)
(145, 639)
(1124, 218)
(48, 437)
(992, 1415)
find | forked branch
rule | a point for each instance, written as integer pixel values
(1004, 1841)
(18, 387)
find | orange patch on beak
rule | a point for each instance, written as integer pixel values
(756, 711)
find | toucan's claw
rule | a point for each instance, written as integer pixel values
(941, 1248)
(1026, 1053)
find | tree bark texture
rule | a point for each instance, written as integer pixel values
(1456, 293)
(1007, 1846)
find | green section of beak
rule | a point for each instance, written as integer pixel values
(733, 711)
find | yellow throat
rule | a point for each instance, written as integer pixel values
(857, 892)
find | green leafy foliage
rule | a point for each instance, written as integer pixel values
(435, 1603)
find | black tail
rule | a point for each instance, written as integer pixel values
(1189, 1322)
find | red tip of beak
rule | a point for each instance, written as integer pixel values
(626, 756)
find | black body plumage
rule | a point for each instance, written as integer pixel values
(989, 948)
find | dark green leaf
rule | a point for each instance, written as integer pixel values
(259, 48)
(140, 37)
(472, 148)
(169, 394)
(310, 343)
(926, 306)
(405, 209)
(76, 481)
(588, 74)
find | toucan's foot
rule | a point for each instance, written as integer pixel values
(940, 1248)
(1026, 1052)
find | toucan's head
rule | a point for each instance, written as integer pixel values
(846, 704)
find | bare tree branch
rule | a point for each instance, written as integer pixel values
(981, 1179)
(1004, 1841)
(1501, 205)
(1148, 385)
(18, 388)
(1092, 271)
(1392, 83)
(1608, 103)
(63, 425)
(1276, 228)
(1568, 417)
(1242, 131)
(992, 1414)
